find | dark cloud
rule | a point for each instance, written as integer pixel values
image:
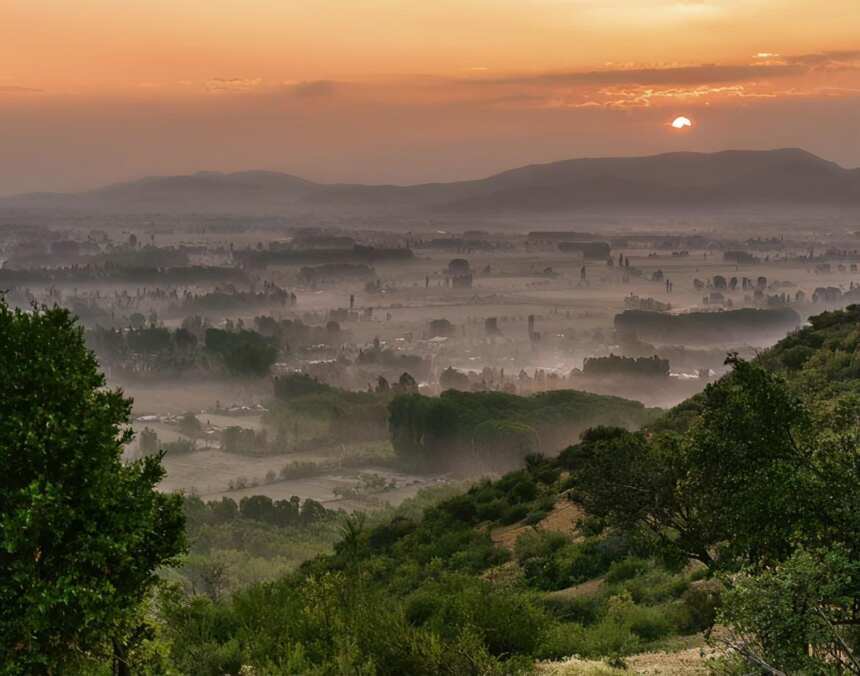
(314, 88)
(683, 75)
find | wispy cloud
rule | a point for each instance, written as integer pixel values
(232, 85)
(626, 86)
(15, 89)
(679, 75)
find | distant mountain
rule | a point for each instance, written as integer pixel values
(730, 178)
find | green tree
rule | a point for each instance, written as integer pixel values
(245, 353)
(753, 476)
(763, 488)
(775, 616)
(81, 532)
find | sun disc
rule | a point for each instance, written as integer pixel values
(682, 122)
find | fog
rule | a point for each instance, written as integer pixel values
(306, 353)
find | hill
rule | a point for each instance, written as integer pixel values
(739, 507)
(667, 181)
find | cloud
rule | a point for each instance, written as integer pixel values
(678, 75)
(630, 85)
(314, 88)
(14, 89)
(232, 85)
(827, 61)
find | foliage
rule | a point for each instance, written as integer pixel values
(757, 477)
(81, 533)
(497, 429)
(245, 353)
(757, 473)
(302, 402)
(808, 600)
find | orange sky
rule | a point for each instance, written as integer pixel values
(406, 90)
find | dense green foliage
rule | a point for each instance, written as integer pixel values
(693, 328)
(426, 593)
(81, 532)
(234, 545)
(739, 507)
(245, 353)
(302, 403)
(757, 478)
(498, 430)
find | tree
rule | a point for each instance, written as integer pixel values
(774, 617)
(737, 489)
(763, 488)
(148, 441)
(189, 425)
(245, 353)
(81, 532)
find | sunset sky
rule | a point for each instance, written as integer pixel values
(93, 91)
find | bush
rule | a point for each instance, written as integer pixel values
(534, 518)
(649, 623)
(626, 569)
(493, 510)
(514, 514)
(180, 446)
(583, 610)
(538, 544)
(701, 601)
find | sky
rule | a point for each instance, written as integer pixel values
(404, 91)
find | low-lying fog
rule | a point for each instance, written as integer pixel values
(277, 359)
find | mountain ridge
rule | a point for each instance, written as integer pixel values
(677, 179)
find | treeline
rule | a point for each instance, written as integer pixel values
(614, 365)
(162, 351)
(496, 430)
(293, 334)
(231, 299)
(332, 272)
(358, 254)
(292, 513)
(135, 274)
(342, 415)
(701, 328)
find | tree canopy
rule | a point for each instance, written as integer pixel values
(81, 531)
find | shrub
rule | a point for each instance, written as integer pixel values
(534, 518)
(585, 609)
(626, 569)
(702, 601)
(514, 514)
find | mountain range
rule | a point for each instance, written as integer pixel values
(729, 178)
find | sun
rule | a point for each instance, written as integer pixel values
(682, 122)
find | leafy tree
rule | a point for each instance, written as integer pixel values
(763, 488)
(148, 441)
(245, 353)
(809, 600)
(739, 488)
(81, 532)
(189, 425)
(296, 385)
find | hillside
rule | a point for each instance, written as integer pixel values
(674, 180)
(738, 507)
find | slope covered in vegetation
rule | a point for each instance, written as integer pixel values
(739, 502)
